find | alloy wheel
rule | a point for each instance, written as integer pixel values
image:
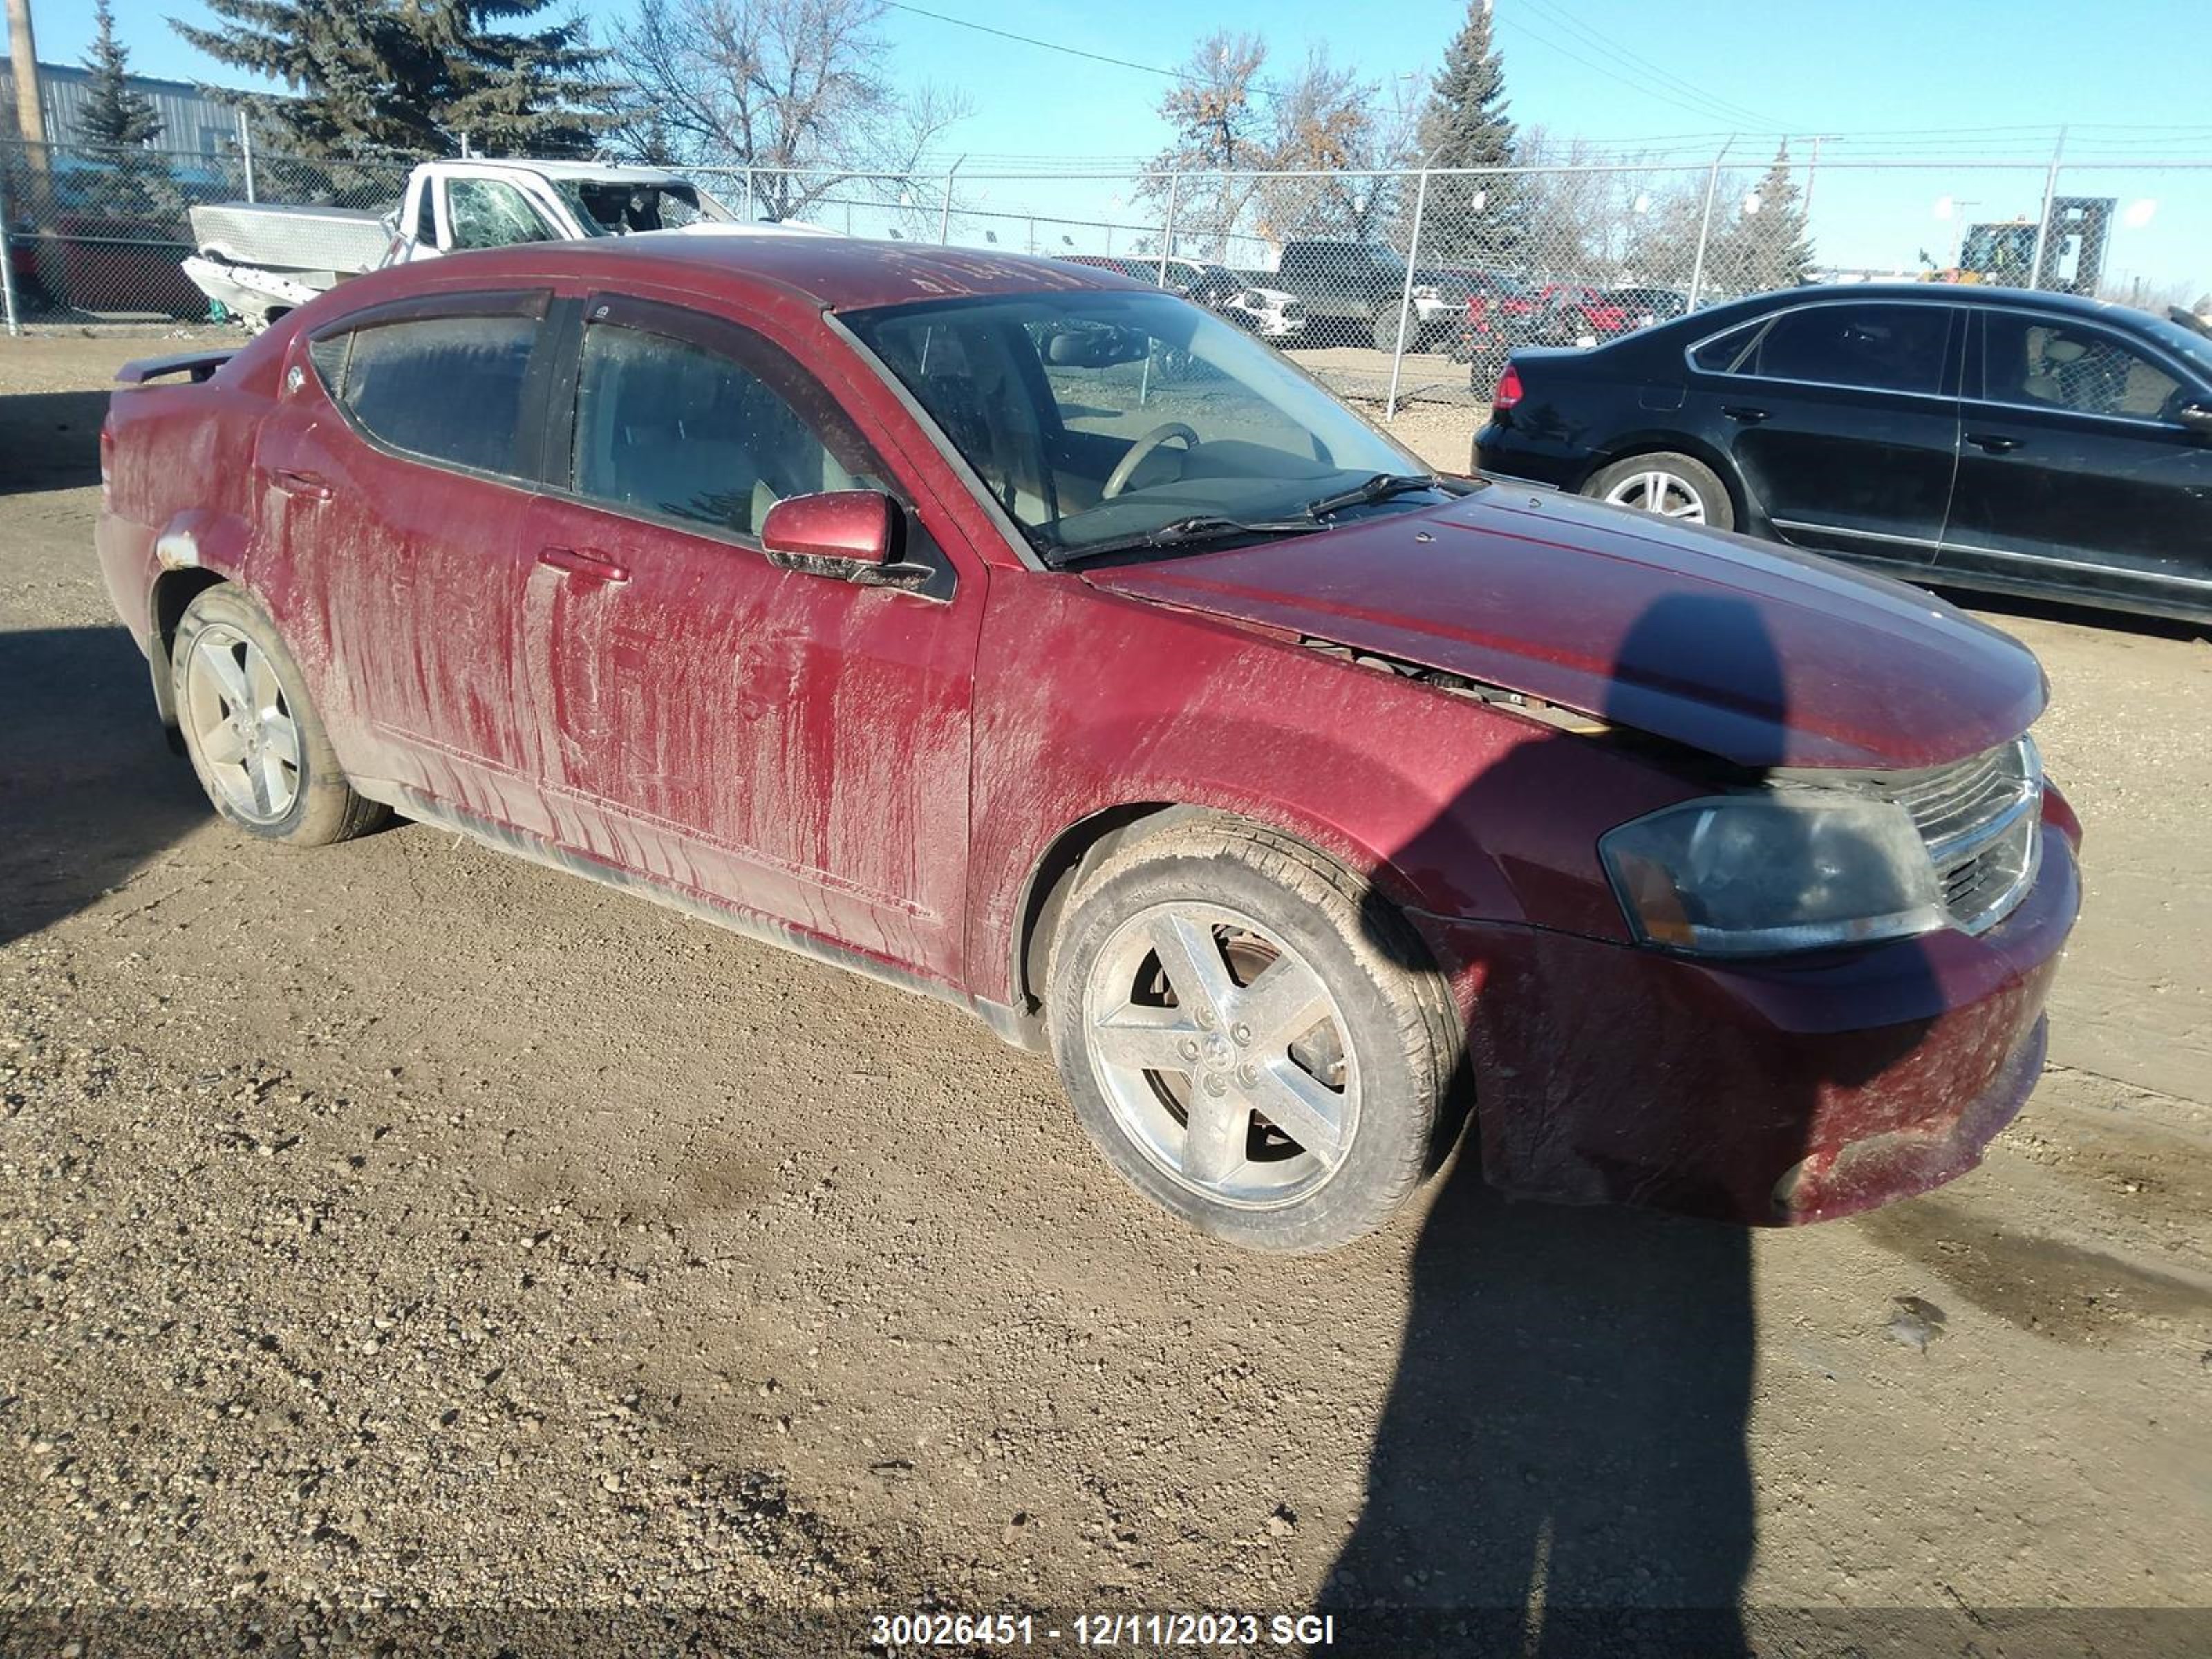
(1664, 493)
(242, 725)
(1222, 1054)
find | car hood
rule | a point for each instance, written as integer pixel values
(1746, 651)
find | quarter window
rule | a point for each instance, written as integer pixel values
(447, 388)
(2043, 362)
(666, 427)
(1878, 347)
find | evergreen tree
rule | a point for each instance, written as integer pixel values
(1768, 246)
(114, 115)
(411, 77)
(1465, 125)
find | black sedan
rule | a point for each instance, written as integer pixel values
(1972, 437)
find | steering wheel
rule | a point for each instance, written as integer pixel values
(1118, 480)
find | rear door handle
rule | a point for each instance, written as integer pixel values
(1994, 442)
(310, 485)
(584, 562)
(1743, 412)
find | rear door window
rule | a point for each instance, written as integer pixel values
(445, 388)
(1872, 346)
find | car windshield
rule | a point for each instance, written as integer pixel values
(1106, 417)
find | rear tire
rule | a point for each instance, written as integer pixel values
(252, 736)
(1251, 1035)
(1671, 485)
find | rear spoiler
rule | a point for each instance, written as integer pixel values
(197, 364)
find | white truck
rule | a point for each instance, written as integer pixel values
(260, 261)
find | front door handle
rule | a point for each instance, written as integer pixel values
(584, 562)
(1744, 413)
(312, 486)
(1994, 442)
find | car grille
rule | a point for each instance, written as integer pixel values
(1980, 819)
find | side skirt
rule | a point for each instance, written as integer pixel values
(767, 930)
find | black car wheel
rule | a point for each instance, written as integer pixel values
(1671, 485)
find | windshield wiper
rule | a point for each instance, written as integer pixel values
(1380, 488)
(1181, 532)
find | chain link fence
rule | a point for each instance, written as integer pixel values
(1391, 287)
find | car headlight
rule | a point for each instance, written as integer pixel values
(1785, 869)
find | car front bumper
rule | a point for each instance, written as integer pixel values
(1776, 1093)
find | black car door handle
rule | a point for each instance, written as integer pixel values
(1743, 412)
(1994, 442)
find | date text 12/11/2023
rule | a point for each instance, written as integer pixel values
(1134, 1630)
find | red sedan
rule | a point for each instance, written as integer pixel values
(1028, 637)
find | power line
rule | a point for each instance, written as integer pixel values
(1728, 109)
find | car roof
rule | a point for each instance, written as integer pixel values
(596, 171)
(2006, 298)
(836, 273)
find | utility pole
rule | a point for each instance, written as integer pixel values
(2043, 223)
(23, 58)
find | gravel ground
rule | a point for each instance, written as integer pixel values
(399, 1230)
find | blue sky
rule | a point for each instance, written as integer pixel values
(1918, 77)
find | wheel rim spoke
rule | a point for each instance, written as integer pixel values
(229, 678)
(222, 744)
(273, 785)
(261, 682)
(281, 736)
(1282, 1005)
(1191, 958)
(1150, 1039)
(1302, 1107)
(1214, 1143)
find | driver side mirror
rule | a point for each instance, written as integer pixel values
(848, 534)
(2197, 417)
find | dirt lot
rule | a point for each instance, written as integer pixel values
(400, 1226)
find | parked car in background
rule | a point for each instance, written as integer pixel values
(1574, 313)
(772, 579)
(259, 260)
(1352, 292)
(1991, 438)
(1642, 306)
(1271, 313)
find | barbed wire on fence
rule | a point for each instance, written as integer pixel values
(1439, 270)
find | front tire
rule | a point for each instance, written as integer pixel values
(1251, 1035)
(1670, 485)
(252, 736)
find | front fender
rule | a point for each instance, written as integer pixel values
(1088, 702)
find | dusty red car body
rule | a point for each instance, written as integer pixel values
(905, 782)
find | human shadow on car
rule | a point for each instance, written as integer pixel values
(93, 793)
(1561, 1465)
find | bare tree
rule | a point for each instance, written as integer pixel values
(1219, 133)
(1328, 120)
(792, 88)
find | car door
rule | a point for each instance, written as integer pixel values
(392, 477)
(786, 742)
(1842, 420)
(2076, 468)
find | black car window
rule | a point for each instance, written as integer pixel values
(447, 388)
(1722, 353)
(1875, 347)
(2054, 362)
(673, 429)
